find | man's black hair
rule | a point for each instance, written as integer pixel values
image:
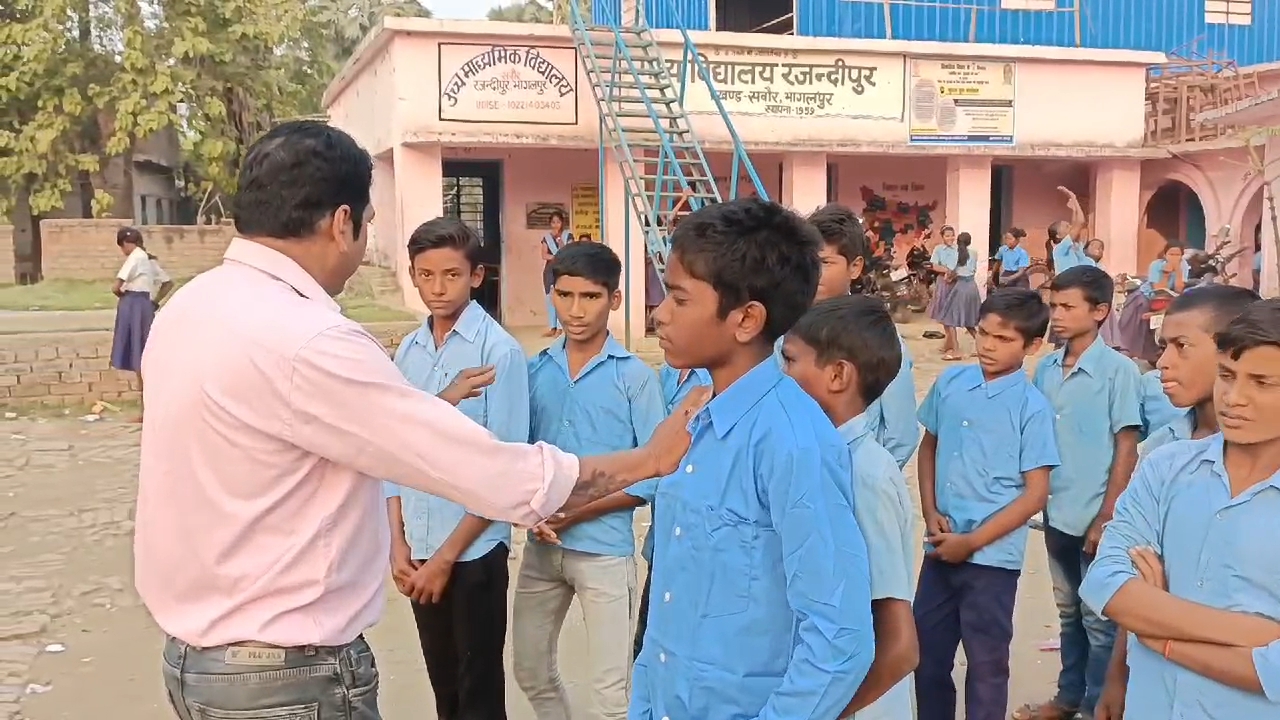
(595, 262)
(1222, 303)
(750, 249)
(1092, 282)
(858, 330)
(1024, 309)
(446, 232)
(297, 175)
(1258, 326)
(841, 229)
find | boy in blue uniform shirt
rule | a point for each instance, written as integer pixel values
(1155, 407)
(984, 472)
(451, 564)
(761, 589)
(844, 353)
(1184, 566)
(1094, 391)
(588, 396)
(1188, 366)
(676, 384)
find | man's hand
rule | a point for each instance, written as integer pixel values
(548, 531)
(468, 384)
(402, 564)
(1111, 703)
(1149, 566)
(935, 523)
(670, 440)
(1093, 535)
(428, 582)
(953, 548)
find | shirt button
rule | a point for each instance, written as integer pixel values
(688, 468)
(1200, 584)
(1219, 516)
(570, 384)
(566, 423)
(666, 597)
(677, 532)
(1057, 417)
(965, 423)
(662, 657)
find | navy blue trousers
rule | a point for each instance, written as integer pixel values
(970, 605)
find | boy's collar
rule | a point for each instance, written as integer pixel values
(467, 325)
(977, 379)
(728, 407)
(855, 429)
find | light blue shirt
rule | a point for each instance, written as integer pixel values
(945, 256)
(1178, 428)
(761, 592)
(1214, 549)
(1068, 254)
(887, 518)
(673, 391)
(1257, 261)
(989, 434)
(968, 267)
(1096, 400)
(892, 417)
(1013, 258)
(613, 404)
(503, 407)
(1157, 272)
(1157, 411)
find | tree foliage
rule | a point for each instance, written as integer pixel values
(539, 11)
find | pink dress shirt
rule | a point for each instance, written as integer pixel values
(270, 419)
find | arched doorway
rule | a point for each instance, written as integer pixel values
(1175, 212)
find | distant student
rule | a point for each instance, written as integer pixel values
(844, 256)
(452, 565)
(844, 353)
(960, 309)
(1187, 565)
(759, 562)
(984, 472)
(588, 396)
(1066, 244)
(676, 384)
(553, 242)
(1015, 261)
(1188, 366)
(1155, 408)
(942, 263)
(1094, 391)
(1167, 274)
(140, 286)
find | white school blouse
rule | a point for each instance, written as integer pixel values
(140, 273)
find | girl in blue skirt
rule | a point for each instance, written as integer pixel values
(140, 286)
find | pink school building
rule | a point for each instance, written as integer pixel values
(497, 123)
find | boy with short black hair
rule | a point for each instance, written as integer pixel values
(984, 469)
(761, 589)
(1095, 394)
(844, 353)
(1184, 566)
(588, 396)
(451, 564)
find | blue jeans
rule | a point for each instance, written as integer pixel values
(244, 682)
(1087, 639)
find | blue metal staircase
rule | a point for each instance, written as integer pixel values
(640, 96)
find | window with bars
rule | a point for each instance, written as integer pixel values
(464, 199)
(1228, 12)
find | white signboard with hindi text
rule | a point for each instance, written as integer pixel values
(510, 84)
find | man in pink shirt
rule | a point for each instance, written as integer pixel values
(262, 541)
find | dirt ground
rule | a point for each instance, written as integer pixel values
(75, 641)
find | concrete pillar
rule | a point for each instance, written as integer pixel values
(624, 233)
(804, 181)
(1270, 272)
(419, 197)
(1117, 212)
(969, 206)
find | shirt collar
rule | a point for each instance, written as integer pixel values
(974, 379)
(1183, 425)
(1214, 454)
(468, 325)
(279, 266)
(727, 408)
(1088, 360)
(558, 354)
(855, 429)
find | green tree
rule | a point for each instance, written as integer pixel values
(540, 11)
(346, 22)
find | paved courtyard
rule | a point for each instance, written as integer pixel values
(76, 643)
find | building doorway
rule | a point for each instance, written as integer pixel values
(772, 17)
(1001, 205)
(473, 194)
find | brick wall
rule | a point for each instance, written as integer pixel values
(86, 249)
(73, 369)
(7, 258)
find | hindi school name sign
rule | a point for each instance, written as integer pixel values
(797, 84)
(512, 84)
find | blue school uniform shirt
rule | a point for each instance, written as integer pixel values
(673, 391)
(613, 404)
(892, 417)
(1214, 551)
(1096, 400)
(887, 518)
(945, 256)
(1159, 272)
(503, 407)
(761, 593)
(1177, 428)
(1157, 411)
(968, 267)
(989, 433)
(1013, 258)
(1068, 254)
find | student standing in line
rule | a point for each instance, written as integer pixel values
(676, 384)
(844, 353)
(1015, 262)
(552, 243)
(761, 588)
(960, 309)
(452, 565)
(942, 263)
(1184, 566)
(984, 472)
(1094, 391)
(588, 395)
(140, 286)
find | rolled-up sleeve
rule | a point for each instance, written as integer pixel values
(350, 404)
(1136, 523)
(1266, 662)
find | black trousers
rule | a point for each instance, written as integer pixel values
(462, 638)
